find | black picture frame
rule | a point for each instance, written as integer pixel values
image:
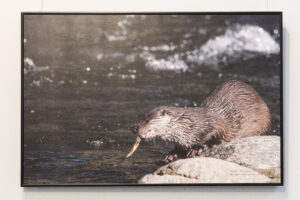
(23, 14)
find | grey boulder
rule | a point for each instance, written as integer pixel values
(203, 170)
(261, 153)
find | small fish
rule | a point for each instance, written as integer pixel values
(135, 146)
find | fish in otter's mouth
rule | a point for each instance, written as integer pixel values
(135, 146)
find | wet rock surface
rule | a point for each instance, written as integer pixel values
(204, 170)
(261, 153)
(245, 160)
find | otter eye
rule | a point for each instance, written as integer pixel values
(135, 129)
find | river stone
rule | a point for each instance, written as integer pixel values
(261, 153)
(204, 170)
(156, 179)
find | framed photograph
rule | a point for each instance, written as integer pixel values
(152, 99)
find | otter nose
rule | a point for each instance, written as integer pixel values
(135, 129)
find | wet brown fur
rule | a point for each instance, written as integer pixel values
(234, 109)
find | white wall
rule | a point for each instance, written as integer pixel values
(10, 100)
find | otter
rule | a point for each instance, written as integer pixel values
(233, 110)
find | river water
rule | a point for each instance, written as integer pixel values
(89, 78)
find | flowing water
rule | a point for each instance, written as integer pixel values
(89, 78)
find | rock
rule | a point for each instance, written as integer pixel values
(204, 170)
(242, 160)
(151, 178)
(261, 153)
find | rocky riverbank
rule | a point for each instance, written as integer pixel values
(245, 160)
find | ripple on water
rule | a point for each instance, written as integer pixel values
(57, 160)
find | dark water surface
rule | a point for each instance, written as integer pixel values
(88, 79)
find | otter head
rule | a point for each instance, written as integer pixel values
(155, 123)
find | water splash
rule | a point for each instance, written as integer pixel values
(95, 143)
(233, 44)
(121, 33)
(173, 63)
(127, 76)
(163, 47)
(29, 66)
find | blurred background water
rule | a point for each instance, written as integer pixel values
(89, 78)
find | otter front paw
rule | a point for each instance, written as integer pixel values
(170, 158)
(194, 152)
